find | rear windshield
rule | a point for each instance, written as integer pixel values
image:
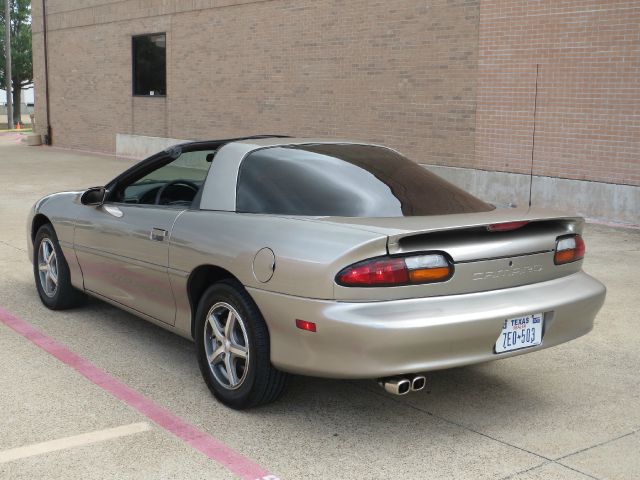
(347, 181)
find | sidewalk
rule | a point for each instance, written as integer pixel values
(571, 412)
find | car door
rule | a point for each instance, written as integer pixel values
(123, 252)
(122, 245)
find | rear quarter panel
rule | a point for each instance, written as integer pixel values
(308, 254)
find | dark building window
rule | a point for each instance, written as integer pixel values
(150, 64)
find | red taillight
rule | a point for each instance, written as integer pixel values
(569, 249)
(395, 271)
(304, 325)
(390, 271)
(506, 226)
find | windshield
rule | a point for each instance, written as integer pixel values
(345, 180)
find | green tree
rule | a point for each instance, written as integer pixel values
(21, 61)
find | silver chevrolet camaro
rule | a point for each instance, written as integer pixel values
(328, 258)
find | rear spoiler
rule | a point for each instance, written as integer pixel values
(477, 223)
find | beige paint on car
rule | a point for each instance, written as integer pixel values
(288, 264)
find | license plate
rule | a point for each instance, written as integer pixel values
(520, 332)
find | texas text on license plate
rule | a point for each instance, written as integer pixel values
(520, 332)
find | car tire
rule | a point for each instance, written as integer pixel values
(58, 294)
(257, 381)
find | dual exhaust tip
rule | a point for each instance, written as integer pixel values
(403, 385)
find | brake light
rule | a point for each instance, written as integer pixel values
(396, 271)
(375, 272)
(569, 249)
(506, 226)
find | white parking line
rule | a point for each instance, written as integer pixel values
(213, 448)
(73, 441)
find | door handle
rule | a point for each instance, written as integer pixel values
(158, 234)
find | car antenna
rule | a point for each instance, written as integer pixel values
(533, 133)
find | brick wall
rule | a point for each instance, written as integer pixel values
(398, 72)
(588, 115)
(449, 82)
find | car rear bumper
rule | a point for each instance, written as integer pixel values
(377, 339)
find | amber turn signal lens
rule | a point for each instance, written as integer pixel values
(429, 274)
(565, 256)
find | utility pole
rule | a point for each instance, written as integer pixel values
(7, 56)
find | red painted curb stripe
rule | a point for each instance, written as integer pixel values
(212, 448)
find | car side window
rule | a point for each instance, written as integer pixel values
(174, 184)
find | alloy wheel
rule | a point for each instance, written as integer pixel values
(48, 267)
(226, 345)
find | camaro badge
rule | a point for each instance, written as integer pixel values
(507, 272)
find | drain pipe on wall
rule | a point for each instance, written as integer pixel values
(533, 134)
(7, 53)
(47, 137)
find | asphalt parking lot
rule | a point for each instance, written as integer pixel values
(97, 393)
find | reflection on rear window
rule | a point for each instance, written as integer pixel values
(347, 181)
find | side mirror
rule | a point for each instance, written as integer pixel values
(93, 196)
